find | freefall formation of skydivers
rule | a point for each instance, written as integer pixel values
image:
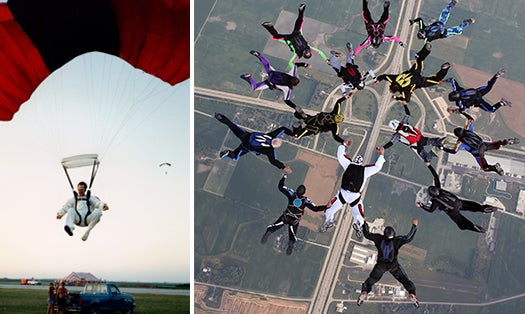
(355, 173)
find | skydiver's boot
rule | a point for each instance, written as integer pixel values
(224, 153)
(255, 53)
(358, 230)
(327, 225)
(218, 116)
(246, 77)
(445, 65)
(511, 141)
(498, 169)
(86, 235)
(505, 102)
(489, 209)
(412, 298)
(68, 230)
(289, 249)
(479, 229)
(500, 72)
(453, 3)
(386, 4)
(362, 297)
(469, 21)
(265, 236)
(302, 6)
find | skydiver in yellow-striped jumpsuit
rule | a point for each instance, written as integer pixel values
(406, 82)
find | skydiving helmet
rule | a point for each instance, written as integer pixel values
(358, 160)
(339, 118)
(453, 96)
(301, 189)
(433, 191)
(307, 54)
(393, 124)
(421, 34)
(389, 233)
(361, 85)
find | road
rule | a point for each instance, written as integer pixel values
(328, 280)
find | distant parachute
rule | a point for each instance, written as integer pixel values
(165, 164)
(39, 37)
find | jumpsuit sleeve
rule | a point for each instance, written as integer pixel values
(363, 45)
(389, 77)
(96, 202)
(279, 131)
(429, 209)
(283, 188)
(337, 106)
(395, 138)
(394, 38)
(375, 168)
(67, 206)
(410, 236)
(343, 161)
(313, 207)
(375, 237)
(334, 128)
(274, 161)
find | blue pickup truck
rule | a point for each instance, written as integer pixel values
(100, 297)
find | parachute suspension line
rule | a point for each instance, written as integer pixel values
(162, 102)
(94, 171)
(69, 180)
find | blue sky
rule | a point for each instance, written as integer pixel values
(145, 236)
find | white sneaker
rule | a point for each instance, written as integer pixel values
(412, 298)
(358, 230)
(85, 236)
(362, 297)
(327, 225)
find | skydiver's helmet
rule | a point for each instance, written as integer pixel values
(421, 34)
(376, 41)
(433, 191)
(301, 189)
(394, 87)
(393, 124)
(307, 54)
(389, 233)
(295, 81)
(361, 85)
(454, 96)
(277, 142)
(358, 160)
(459, 132)
(339, 118)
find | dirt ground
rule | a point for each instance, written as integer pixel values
(239, 302)
(322, 174)
(513, 91)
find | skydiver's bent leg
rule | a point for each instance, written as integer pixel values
(271, 29)
(237, 130)
(375, 275)
(443, 17)
(92, 219)
(487, 107)
(72, 219)
(272, 228)
(402, 277)
(292, 232)
(255, 85)
(300, 20)
(463, 223)
(458, 30)
(367, 17)
(358, 213)
(475, 207)
(417, 67)
(436, 79)
(385, 16)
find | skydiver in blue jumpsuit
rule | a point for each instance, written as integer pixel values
(256, 142)
(473, 97)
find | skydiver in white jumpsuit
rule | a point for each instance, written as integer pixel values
(83, 215)
(354, 179)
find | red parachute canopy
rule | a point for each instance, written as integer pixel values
(39, 37)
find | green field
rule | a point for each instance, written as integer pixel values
(18, 301)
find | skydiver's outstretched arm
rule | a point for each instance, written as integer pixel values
(343, 161)
(313, 207)
(279, 131)
(395, 138)
(282, 187)
(407, 111)
(419, 21)
(437, 183)
(410, 235)
(334, 128)
(337, 106)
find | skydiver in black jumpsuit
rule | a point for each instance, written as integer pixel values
(292, 214)
(452, 205)
(388, 245)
